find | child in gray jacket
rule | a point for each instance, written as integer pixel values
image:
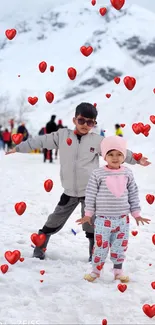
(77, 161)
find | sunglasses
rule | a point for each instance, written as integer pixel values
(82, 121)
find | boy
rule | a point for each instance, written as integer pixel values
(77, 162)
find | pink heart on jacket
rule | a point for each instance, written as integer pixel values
(116, 184)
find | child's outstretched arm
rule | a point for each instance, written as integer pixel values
(90, 199)
(48, 141)
(133, 197)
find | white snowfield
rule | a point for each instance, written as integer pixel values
(64, 297)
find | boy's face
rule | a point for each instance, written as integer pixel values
(83, 124)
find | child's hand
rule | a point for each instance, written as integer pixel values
(84, 220)
(142, 220)
(11, 151)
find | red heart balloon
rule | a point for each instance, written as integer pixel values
(42, 66)
(32, 100)
(108, 95)
(103, 11)
(17, 138)
(99, 267)
(38, 239)
(22, 259)
(146, 128)
(104, 322)
(69, 141)
(41, 281)
(150, 198)
(99, 242)
(20, 208)
(86, 50)
(149, 310)
(51, 68)
(117, 4)
(122, 125)
(122, 287)
(153, 285)
(117, 80)
(49, 97)
(93, 2)
(154, 90)
(134, 232)
(95, 105)
(71, 73)
(136, 128)
(137, 156)
(48, 185)
(152, 119)
(42, 272)
(153, 239)
(4, 268)
(10, 33)
(12, 257)
(129, 82)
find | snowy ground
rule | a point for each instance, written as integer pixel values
(64, 297)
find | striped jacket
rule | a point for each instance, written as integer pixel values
(112, 193)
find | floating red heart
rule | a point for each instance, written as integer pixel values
(20, 208)
(134, 232)
(154, 90)
(117, 4)
(51, 68)
(129, 82)
(150, 198)
(10, 33)
(17, 138)
(86, 50)
(103, 11)
(93, 2)
(4, 268)
(99, 267)
(153, 285)
(95, 105)
(69, 141)
(48, 185)
(153, 239)
(122, 125)
(41, 281)
(104, 322)
(12, 257)
(75, 132)
(32, 100)
(38, 239)
(150, 264)
(117, 80)
(49, 97)
(122, 287)
(152, 119)
(22, 259)
(99, 242)
(42, 272)
(149, 310)
(137, 156)
(42, 66)
(136, 128)
(108, 95)
(71, 73)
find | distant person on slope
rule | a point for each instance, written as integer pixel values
(111, 194)
(23, 130)
(77, 161)
(59, 126)
(118, 131)
(50, 127)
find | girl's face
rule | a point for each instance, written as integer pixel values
(114, 159)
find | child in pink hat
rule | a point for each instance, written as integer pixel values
(111, 195)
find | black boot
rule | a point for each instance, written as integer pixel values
(91, 245)
(39, 251)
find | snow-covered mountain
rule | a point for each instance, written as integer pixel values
(50, 31)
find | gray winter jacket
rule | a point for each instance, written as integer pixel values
(77, 161)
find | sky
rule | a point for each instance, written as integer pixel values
(148, 4)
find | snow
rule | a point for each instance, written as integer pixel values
(64, 297)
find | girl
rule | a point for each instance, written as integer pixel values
(111, 194)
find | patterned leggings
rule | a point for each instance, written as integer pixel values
(113, 233)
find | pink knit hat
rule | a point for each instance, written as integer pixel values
(113, 143)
